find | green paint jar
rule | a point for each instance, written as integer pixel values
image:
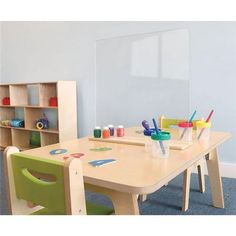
(97, 132)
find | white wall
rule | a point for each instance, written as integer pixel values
(45, 51)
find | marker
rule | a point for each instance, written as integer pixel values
(145, 125)
(190, 120)
(160, 142)
(207, 120)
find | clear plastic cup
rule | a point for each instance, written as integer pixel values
(148, 145)
(203, 130)
(160, 144)
(185, 131)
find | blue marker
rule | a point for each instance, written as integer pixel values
(160, 142)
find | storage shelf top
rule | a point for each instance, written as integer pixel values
(29, 106)
(35, 83)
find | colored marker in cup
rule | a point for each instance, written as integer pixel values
(190, 120)
(207, 120)
(145, 125)
(160, 142)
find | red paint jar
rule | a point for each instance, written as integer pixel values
(106, 132)
(120, 131)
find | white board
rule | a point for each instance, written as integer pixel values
(141, 77)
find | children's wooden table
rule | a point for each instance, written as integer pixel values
(135, 171)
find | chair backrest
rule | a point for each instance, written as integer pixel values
(57, 186)
(166, 123)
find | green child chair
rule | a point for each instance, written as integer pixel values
(46, 187)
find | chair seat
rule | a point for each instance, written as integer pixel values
(92, 209)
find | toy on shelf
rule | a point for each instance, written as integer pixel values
(6, 123)
(53, 102)
(42, 123)
(35, 139)
(6, 101)
(17, 123)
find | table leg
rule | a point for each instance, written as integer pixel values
(201, 177)
(143, 197)
(215, 178)
(186, 188)
(124, 203)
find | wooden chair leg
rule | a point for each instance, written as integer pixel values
(186, 189)
(201, 177)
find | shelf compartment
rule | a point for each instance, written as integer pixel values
(7, 113)
(46, 91)
(4, 92)
(34, 114)
(21, 139)
(33, 94)
(18, 95)
(5, 137)
(49, 138)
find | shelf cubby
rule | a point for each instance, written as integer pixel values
(4, 92)
(34, 114)
(33, 94)
(18, 95)
(47, 91)
(5, 137)
(49, 138)
(7, 113)
(21, 139)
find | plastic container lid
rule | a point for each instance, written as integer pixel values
(110, 126)
(120, 126)
(161, 136)
(105, 127)
(203, 124)
(185, 124)
(97, 127)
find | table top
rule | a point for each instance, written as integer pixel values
(134, 170)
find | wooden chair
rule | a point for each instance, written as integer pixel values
(166, 123)
(46, 187)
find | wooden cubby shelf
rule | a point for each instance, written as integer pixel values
(30, 102)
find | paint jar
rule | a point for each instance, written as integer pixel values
(120, 131)
(203, 130)
(97, 132)
(161, 144)
(106, 132)
(112, 130)
(185, 131)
